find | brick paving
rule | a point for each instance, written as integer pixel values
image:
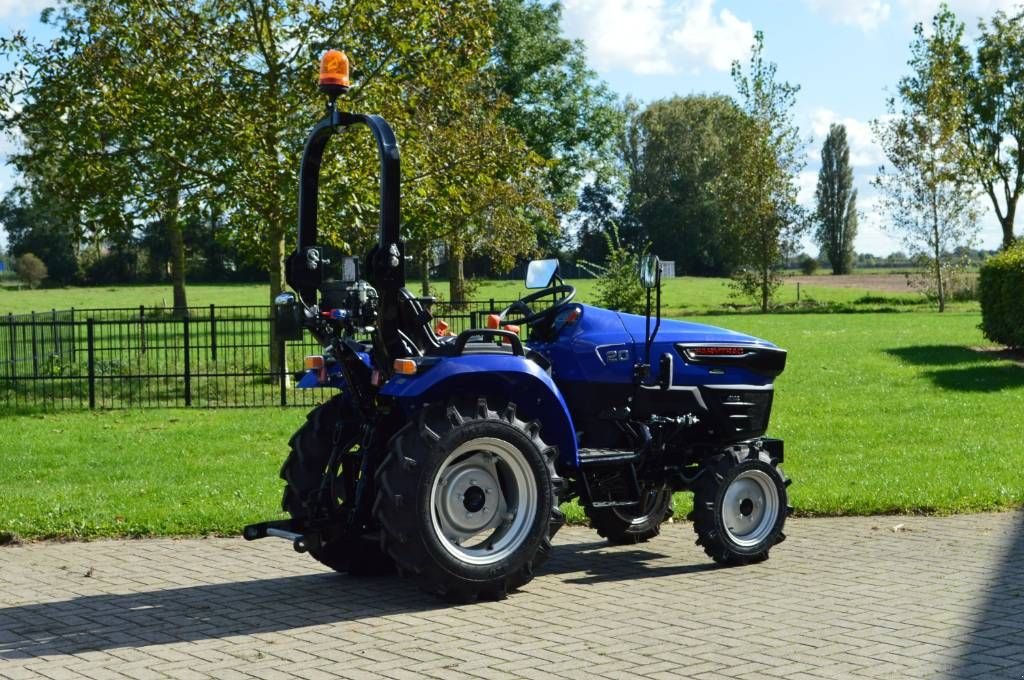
(842, 598)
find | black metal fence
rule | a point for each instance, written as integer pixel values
(142, 357)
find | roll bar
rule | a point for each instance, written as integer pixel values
(386, 261)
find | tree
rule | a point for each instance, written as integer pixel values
(564, 113)
(837, 201)
(595, 215)
(982, 96)
(233, 105)
(30, 269)
(994, 125)
(759, 188)
(929, 200)
(685, 146)
(35, 225)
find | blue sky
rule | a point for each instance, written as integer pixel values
(846, 55)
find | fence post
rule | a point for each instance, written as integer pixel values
(188, 360)
(35, 348)
(73, 336)
(798, 291)
(284, 375)
(13, 339)
(142, 329)
(91, 353)
(213, 333)
(57, 348)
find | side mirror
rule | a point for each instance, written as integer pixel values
(650, 271)
(540, 273)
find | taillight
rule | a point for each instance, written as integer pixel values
(715, 351)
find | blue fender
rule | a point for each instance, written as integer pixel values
(525, 383)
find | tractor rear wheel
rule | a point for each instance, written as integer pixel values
(739, 508)
(623, 527)
(332, 423)
(467, 500)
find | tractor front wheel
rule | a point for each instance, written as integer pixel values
(739, 508)
(622, 527)
(467, 500)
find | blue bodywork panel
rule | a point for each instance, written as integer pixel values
(602, 346)
(515, 378)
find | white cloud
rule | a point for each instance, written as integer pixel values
(714, 41)
(866, 15)
(864, 152)
(23, 8)
(657, 36)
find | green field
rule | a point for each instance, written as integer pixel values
(681, 296)
(880, 412)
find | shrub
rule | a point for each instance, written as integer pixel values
(618, 285)
(808, 265)
(1001, 291)
(31, 270)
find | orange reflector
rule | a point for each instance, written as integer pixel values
(314, 362)
(441, 329)
(493, 321)
(334, 68)
(405, 366)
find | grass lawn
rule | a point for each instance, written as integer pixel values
(880, 413)
(681, 296)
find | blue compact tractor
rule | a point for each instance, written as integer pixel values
(447, 457)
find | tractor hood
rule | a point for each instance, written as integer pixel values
(682, 331)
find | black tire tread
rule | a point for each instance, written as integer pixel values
(703, 514)
(396, 488)
(611, 526)
(303, 470)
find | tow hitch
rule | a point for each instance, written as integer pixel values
(285, 529)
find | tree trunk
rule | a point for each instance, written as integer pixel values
(277, 283)
(1007, 224)
(764, 289)
(425, 270)
(456, 277)
(177, 240)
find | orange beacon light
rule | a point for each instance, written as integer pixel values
(334, 73)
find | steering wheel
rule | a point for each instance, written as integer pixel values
(522, 305)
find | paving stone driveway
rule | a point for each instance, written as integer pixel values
(842, 598)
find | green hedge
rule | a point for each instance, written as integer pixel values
(1001, 290)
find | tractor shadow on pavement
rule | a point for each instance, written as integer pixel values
(994, 646)
(602, 564)
(220, 610)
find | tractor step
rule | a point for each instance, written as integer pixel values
(613, 504)
(590, 457)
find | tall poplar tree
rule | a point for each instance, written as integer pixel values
(836, 213)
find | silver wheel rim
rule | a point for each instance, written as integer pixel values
(750, 508)
(483, 501)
